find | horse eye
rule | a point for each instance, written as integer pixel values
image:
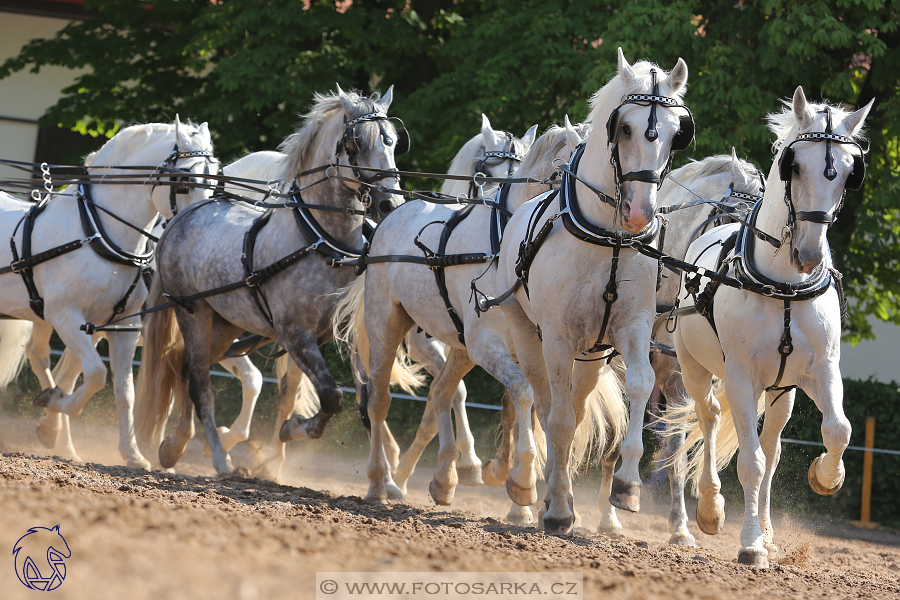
(626, 130)
(388, 141)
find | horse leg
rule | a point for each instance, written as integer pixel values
(428, 428)
(93, 369)
(37, 349)
(122, 345)
(826, 473)
(443, 484)
(609, 522)
(197, 330)
(669, 378)
(777, 414)
(490, 350)
(172, 447)
(495, 471)
(65, 374)
(251, 385)
(697, 380)
(304, 350)
(565, 412)
(639, 381)
(751, 462)
(392, 324)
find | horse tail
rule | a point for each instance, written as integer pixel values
(14, 335)
(161, 376)
(685, 420)
(349, 329)
(306, 400)
(605, 421)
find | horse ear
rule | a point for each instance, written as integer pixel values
(803, 113)
(738, 175)
(530, 135)
(181, 138)
(854, 121)
(677, 79)
(487, 131)
(349, 105)
(571, 135)
(625, 70)
(203, 130)
(385, 102)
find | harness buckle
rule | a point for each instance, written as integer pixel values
(18, 266)
(253, 280)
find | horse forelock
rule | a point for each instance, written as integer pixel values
(786, 129)
(136, 143)
(302, 146)
(610, 95)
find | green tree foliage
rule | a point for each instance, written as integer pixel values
(250, 67)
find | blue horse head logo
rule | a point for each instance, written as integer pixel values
(40, 558)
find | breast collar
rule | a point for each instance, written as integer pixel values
(499, 217)
(745, 269)
(99, 239)
(576, 224)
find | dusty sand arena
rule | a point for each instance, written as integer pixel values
(137, 535)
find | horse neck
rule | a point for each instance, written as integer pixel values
(771, 218)
(596, 169)
(133, 203)
(339, 225)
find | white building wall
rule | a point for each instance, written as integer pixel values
(878, 358)
(25, 96)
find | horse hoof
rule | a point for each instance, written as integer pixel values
(48, 436)
(469, 475)
(490, 476)
(520, 515)
(814, 480)
(169, 453)
(682, 538)
(711, 525)
(138, 462)
(611, 530)
(519, 495)
(394, 493)
(47, 396)
(754, 557)
(626, 496)
(442, 496)
(376, 498)
(293, 429)
(559, 526)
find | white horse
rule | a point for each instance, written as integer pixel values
(577, 291)
(397, 295)
(695, 197)
(107, 270)
(495, 154)
(282, 287)
(768, 346)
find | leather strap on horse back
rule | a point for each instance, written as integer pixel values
(438, 261)
(247, 261)
(24, 266)
(499, 218)
(529, 247)
(704, 302)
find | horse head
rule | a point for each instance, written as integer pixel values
(502, 152)
(649, 124)
(820, 159)
(372, 139)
